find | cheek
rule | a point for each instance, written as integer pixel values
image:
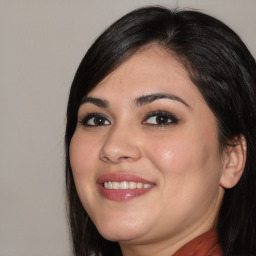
(81, 153)
(82, 160)
(183, 155)
(191, 169)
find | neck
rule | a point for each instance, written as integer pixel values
(160, 247)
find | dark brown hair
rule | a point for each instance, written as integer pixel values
(223, 70)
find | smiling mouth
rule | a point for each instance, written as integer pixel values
(125, 185)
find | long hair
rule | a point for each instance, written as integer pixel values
(223, 70)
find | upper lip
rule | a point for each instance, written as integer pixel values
(119, 177)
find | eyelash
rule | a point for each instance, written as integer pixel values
(169, 119)
(86, 118)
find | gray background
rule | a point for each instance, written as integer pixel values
(42, 43)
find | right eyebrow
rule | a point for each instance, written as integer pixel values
(96, 101)
(146, 99)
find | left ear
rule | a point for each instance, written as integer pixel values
(234, 162)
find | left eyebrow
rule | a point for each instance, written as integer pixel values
(146, 99)
(96, 101)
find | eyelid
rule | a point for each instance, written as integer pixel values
(173, 118)
(86, 117)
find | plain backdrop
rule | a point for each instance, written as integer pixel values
(42, 43)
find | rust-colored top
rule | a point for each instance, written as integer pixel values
(204, 245)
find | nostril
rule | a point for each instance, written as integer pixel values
(105, 158)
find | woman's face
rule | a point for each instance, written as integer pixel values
(145, 154)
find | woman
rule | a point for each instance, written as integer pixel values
(160, 139)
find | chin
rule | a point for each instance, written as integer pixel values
(120, 235)
(119, 231)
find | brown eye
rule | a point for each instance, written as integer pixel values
(163, 120)
(160, 119)
(98, 121)
(95, 120)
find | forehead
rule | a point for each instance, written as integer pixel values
(149, 70)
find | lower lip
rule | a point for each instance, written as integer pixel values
(122, 194)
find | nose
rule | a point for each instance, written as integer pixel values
(120, 145)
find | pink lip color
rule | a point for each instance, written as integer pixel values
(122, 194)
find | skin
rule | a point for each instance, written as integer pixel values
(181, 158)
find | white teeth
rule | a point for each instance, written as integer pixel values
(125, 185)
(115, 185)
(139, 185)
(106, 184)
(110, 186)
(132, 184)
